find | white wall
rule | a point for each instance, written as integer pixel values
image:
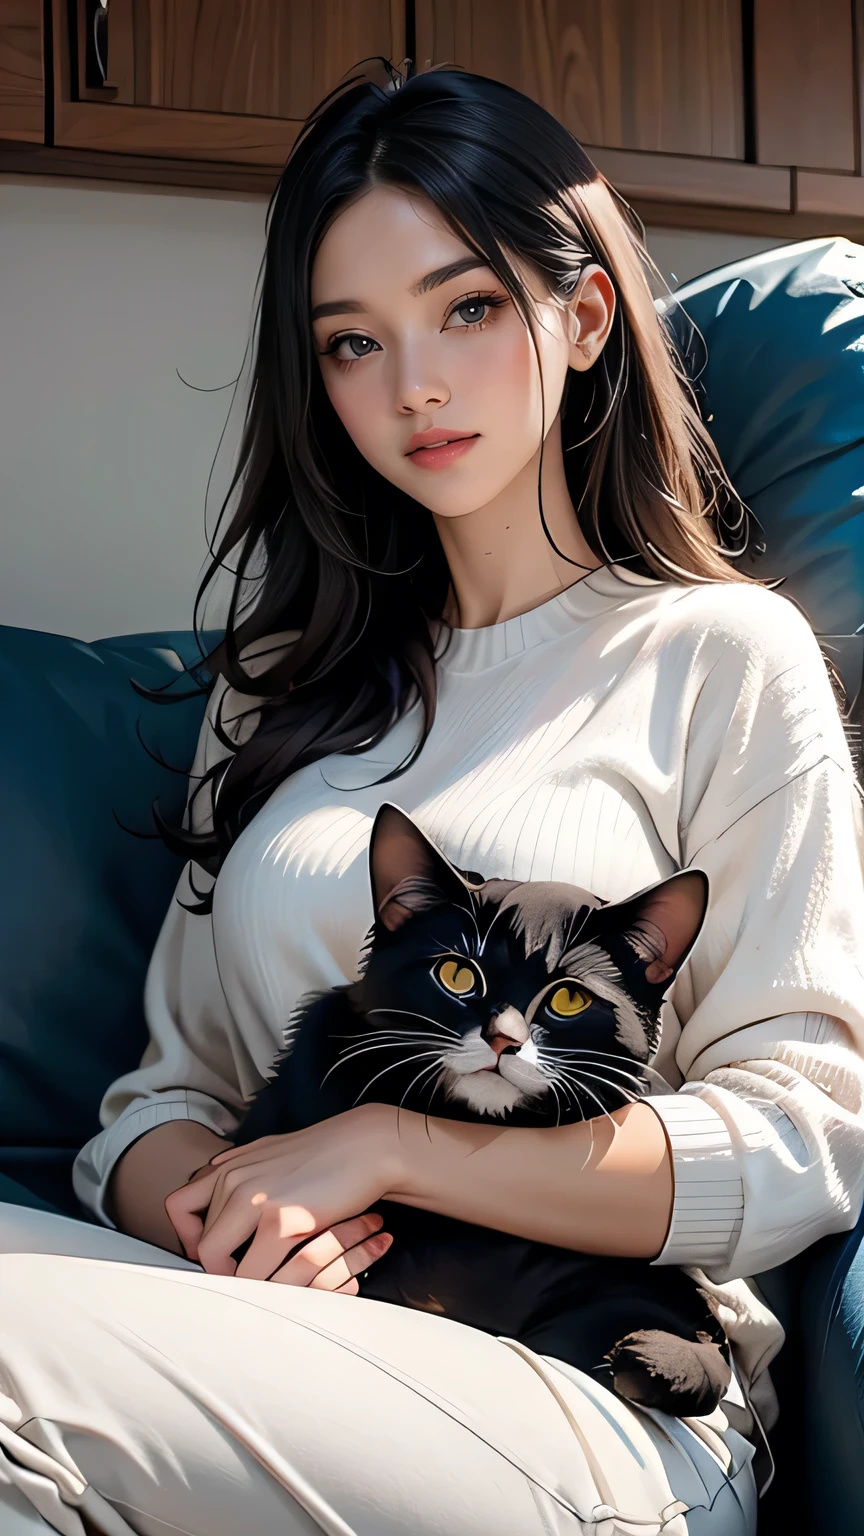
(684, 253)
(106, 293)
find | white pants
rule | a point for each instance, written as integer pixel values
(140, 1395)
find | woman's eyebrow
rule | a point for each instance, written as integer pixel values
(444, 274)
(339, 307)
(431, 280)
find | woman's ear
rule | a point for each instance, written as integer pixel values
(408, 873)
(589, 316)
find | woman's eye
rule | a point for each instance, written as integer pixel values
(567, 1001)
(472, 311)
(472, 314)
(456, 977)
(348, 348)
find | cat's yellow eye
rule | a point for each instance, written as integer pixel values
(567, 1001)
(456, 977)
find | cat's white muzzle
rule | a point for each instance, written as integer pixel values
(490, 1084)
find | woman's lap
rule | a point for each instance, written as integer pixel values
(170, 1400)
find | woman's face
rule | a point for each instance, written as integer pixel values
(420, 345)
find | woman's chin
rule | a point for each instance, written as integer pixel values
(456, 491)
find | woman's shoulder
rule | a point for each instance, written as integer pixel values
(738, 623)
(745, 664)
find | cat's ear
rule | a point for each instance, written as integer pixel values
(408, 873)
(663, 923)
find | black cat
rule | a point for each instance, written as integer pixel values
(529, 1003)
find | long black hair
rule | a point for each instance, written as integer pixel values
(321, 546)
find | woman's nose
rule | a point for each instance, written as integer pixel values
(420, 387)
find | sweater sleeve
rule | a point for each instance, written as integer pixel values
(195, 1066)
(767, 1129)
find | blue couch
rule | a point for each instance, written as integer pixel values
(84, 884)
(84, 881)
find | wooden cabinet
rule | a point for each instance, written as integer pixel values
(209, 80)
(268, 59)
(197, 92)
(651, 75)
(726, 114)
(22, 95)
(804, 84)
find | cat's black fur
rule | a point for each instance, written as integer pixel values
(402, 1035)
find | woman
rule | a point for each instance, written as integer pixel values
(480, 570)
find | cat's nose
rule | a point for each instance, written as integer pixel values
(506, 1028)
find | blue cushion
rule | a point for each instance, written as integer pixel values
(784, 382)
(12, 1193)
(832, 1329)
(82, 897)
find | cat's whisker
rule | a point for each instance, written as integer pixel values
(585, 1119)
(501, 911)
(383, 1045)
(346, 1056)
(567, 1090)
(585, 1051)
(405, 1062)
(470, 914)
(583, 1087)
(421, 1074)
(583, 1066)
(612, 1058)
(410, 1035)
(557, 1101)
(448, 949)
(598, 1057)
(408, 1013)
(632, 1098)
(432, 1089)
(625, 1093)
(616, 1087)
(573, 1060)
(556, 1081)
(576, 1075)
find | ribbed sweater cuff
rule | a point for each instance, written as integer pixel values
(95, 1163)
(708, 1206)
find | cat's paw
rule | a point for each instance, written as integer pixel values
(677, 1376)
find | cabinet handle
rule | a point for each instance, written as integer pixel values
(96, 46)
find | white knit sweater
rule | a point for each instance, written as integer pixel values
(608, 737)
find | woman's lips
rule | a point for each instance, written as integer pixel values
(440, 455)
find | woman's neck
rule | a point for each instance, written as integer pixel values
(501, 562)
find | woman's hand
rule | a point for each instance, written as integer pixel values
(283, 1190)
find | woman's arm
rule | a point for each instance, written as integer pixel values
(601, 1186)
(154, 1166)
(767, 1132)
(166, 1117)
(604, 1186)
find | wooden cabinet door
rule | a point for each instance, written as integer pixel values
(218, 80)
(804, 77)
(650, 75)
(655, 89)
(22, 98)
